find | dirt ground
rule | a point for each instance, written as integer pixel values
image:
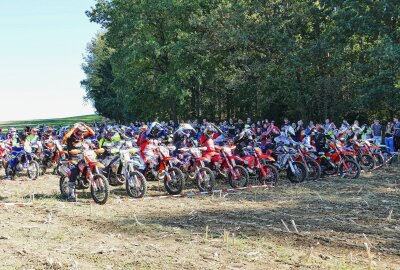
(341, 224)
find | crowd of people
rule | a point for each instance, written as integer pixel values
(388, 135)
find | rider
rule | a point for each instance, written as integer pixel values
(243, 139)
(146, 141)
(182, 135)
(74, 140)
(12, 138)
(210, 133)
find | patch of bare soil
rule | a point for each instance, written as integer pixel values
(332, 223)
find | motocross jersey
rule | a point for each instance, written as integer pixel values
(75, 143)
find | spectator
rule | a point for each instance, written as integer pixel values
(396, 134)
(286, 123)
(389, 136)
(377, 132)
(329, 125)
(299, 130)
(311, 125)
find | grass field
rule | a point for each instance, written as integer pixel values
(56, 122)
(332, 223)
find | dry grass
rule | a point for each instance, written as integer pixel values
(330, 224)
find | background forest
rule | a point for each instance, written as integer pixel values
(186, 59)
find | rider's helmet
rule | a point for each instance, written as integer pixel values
(12, 131)
(109, 134)
(154, 129)
(144, 128)
(290, 131)
(184, 130)
(80, 131)
(209, 131)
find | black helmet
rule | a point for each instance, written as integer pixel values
(154, 130)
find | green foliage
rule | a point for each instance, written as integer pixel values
(217, 59)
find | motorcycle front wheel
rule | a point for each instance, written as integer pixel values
(174, 181)
(241, 177)
(99, 189)
(205, 179)
(352, 171)
(33, 170)
(64, 189)
(367, 162)
(271, 175)
(136, 185)
(299, 173)
(314, 170)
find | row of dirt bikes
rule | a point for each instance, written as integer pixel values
(126, 166)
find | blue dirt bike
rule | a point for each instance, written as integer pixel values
(22, 159)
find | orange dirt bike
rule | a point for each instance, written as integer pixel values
(89, 176)
(337, 161)
(162, 167)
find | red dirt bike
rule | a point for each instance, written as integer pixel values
(4, 152)
(163, 168)
(375, 151)
(260, 165)
(223, 163)
(50, 155)
(306, 155)
(359, 154)
(89, 176)
(193, 166)
(335, 161)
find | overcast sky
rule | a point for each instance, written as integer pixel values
(41, 47)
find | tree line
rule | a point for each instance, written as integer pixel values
(219, 59)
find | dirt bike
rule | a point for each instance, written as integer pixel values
(260, 165)
(126, 168)
(49, 153)
(89, 176)
(364, 159)
(296, 171)
(20, 159)
(375, 151)
(307, 157)
(223, 162)
(4, 152)
(162, 166)
(337, 161)
(193, 166)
